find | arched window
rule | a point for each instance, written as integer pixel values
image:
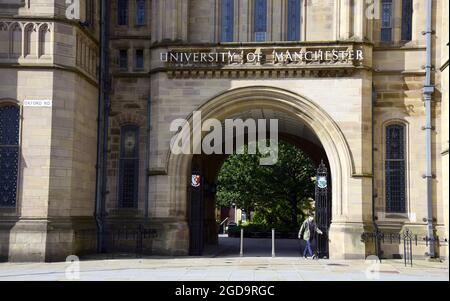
(16, 41)
(260, 22)
(386, 20)
(30, 40)
(4, 37)
(407, 11)
(226, 20)
(44, 40)
(9, 154)
(294, 14)
(129, 166)
(395, 168)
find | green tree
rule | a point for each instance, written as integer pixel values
(280, 194)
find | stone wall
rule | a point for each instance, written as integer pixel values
(177, 98)
(57, 175)
(49, 59)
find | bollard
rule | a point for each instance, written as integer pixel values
(273, 242)
(242, 243)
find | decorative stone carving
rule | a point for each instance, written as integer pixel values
(284, 61)
(22, 40)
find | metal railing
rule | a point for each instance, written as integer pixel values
(136, 240)
(406, 237)
(224, 224)
(379, 238)
(125, 239)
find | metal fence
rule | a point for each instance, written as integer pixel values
(406, 238)
(136, 240)
(125, 239)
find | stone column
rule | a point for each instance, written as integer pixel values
(243, 21)
(278, 20)
(344, 20)
(58, 158)
(170, 20)
(354, 215)
(360, 24)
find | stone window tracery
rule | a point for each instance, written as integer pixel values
(9, 154)
(294, 15)
(226, 20)
(386, 20)
(395, 169)
(260, 20)
(129, 166)
(407, 12)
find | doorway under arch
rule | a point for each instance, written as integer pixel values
(292, 108)
(205, 216)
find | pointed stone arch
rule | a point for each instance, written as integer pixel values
(44, 38)
(237, 100)
(4, 37)
(16, 40)
(342, 168)
(30, 39)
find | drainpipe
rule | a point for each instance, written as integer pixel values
(374, 195)
(102, 131)
(428, 91)
(147, 157)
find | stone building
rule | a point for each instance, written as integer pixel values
(364, 115)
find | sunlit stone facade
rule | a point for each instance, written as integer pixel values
(365, 115)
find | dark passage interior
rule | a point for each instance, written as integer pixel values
(206, 234)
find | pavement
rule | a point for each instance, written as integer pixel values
(225, 264)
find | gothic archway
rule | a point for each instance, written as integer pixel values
(304, 110)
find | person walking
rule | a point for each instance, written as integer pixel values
(307, 233)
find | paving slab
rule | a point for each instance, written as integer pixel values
(226, 269)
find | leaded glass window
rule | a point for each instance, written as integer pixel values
(129, 166)
(386, 20)
(9, 154)
(294, 13)
(395, 166)
(140, 12)
(407, 11)
(227, 20)
(122, 12)
(260, 20)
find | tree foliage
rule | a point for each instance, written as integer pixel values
(279, 194)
